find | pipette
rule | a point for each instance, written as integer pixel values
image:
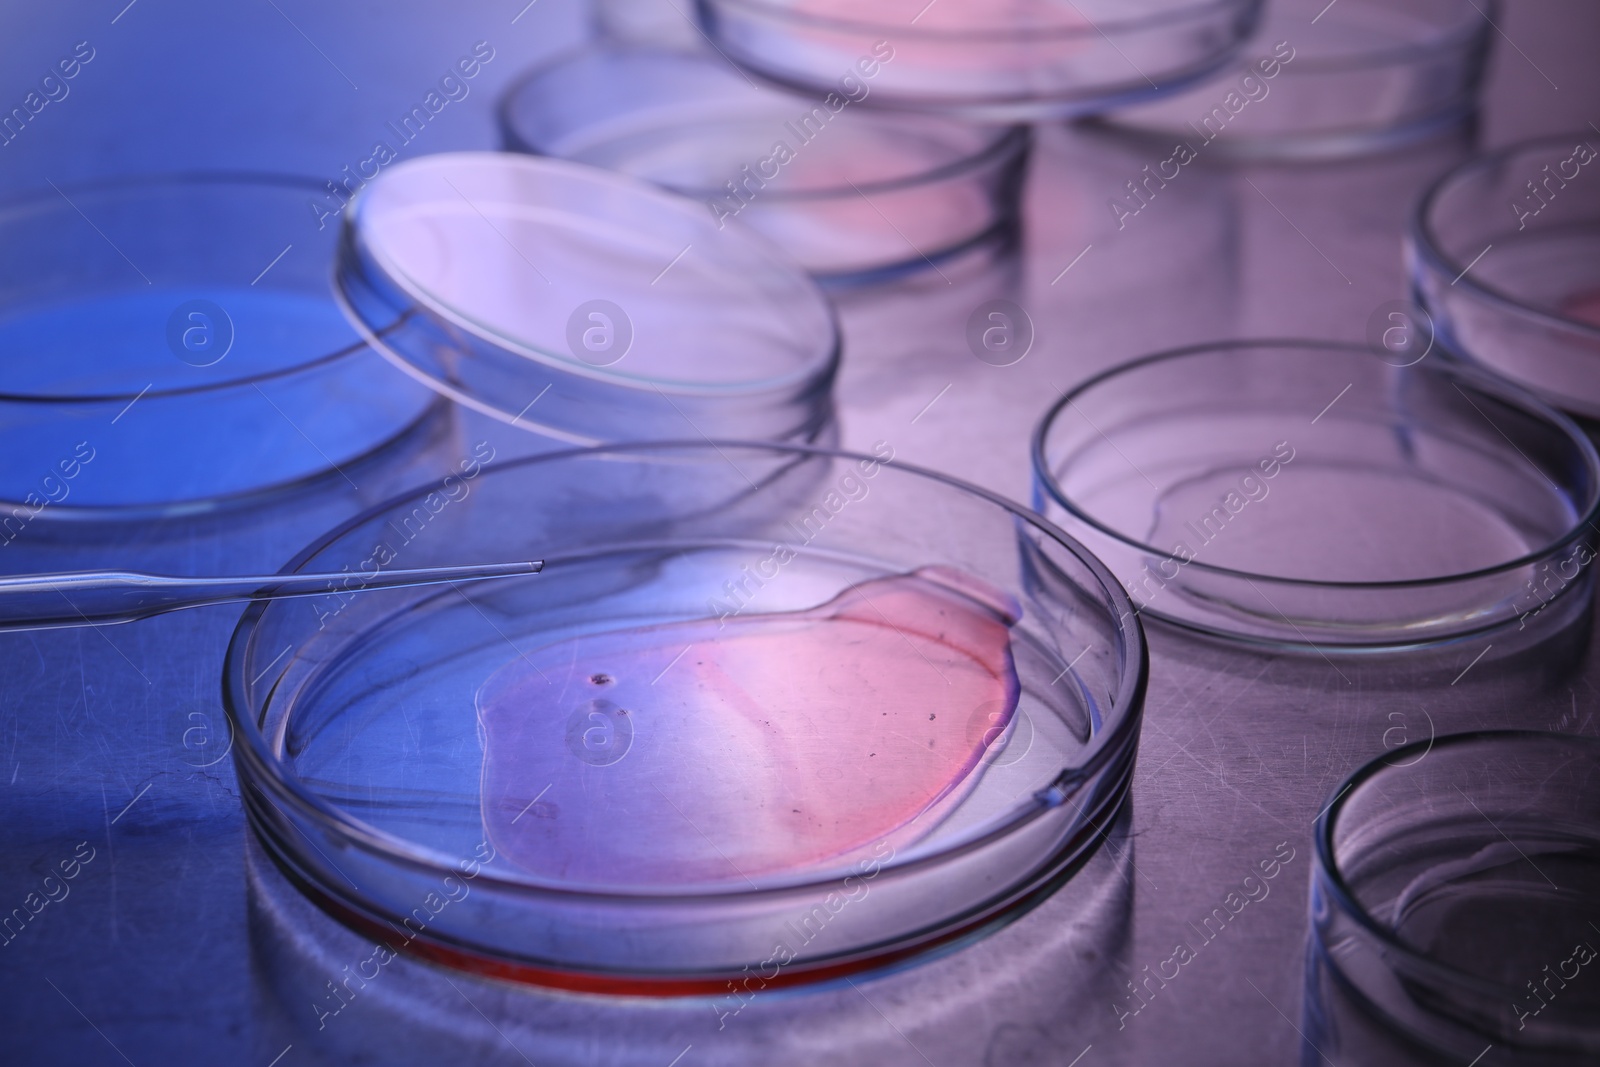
(104, 598)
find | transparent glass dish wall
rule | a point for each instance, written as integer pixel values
(657, 756)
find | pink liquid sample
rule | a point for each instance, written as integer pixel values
(722, 750)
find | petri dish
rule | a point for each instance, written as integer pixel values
(584, 305)
(854, 196)
(1302, 493)
(1021, 61)
(1321, 81)
(657, 23)
(171, 348)
(1504, 255)
(1453, 894)
(760, 695)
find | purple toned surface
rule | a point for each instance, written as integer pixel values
(162, 954)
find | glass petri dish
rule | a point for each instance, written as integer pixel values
(656, 23)
(1454, 892)
(1322, 81)
(584, 305)
(760, 695)
(1301, 493)
(1061, 959)
(171, 348)
(1022, 61)
(1504, 255)
(854, 196)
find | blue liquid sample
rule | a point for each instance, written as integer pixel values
(278, 389)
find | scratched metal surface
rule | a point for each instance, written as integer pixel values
(177, 944)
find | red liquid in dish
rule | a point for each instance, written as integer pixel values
(719, 751)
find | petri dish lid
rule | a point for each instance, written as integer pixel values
(583, 305)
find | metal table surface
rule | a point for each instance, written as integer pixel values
(178, 944)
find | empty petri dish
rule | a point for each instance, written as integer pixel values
(1323, 80)
(1023, 60)
(1454, 893)
(1504, 255)
(1308, 493)
(171, 346)
(760, 696)
(854, 196)
(582, 304)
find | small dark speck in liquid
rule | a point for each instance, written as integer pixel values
(772, 737)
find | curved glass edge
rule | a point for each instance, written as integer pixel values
(1476, 378)
(424, 338)
(1429, 262)
(1331, 901)
(1156, 20)
(1006, 143)
(1132, 653)
(1459, 118)
(62, 518)
(1046, 492)
(1095, 793)
(1010, 108)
